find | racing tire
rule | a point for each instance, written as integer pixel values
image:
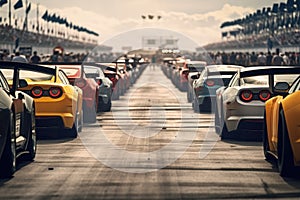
(80, 122)
(90, 114)
(106, 107)
(8, 159)
(217, 123)
(286, 165)
(73, 132)
(189, 96)
(196, 106)
(32, 139)
(266, 147)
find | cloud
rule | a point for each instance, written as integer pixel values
(203, 28)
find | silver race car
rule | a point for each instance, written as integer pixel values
(240, 105)
(210, 79)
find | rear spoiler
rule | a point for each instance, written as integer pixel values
(17, 66)
(82, 64)
(270, 71)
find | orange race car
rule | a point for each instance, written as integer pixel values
(281, 137)
(58, 104)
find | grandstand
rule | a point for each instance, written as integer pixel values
(267, 28)
(53, 30)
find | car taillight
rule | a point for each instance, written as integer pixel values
(37, 92)
(246, 95)
(80, 83)
(99, 81)
(210, 83)
(55, 92)
(264, 95)
(197, 89)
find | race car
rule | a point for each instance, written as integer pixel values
(58, 104)
(17, 117)
(281, 127)
(95, 71)
(211, 78)
(240, 106)
(89, 87)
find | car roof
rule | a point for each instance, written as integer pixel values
(223, 68)
(196, 62)
(215, 76)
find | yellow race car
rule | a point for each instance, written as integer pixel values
(58, 103)
(281, 138)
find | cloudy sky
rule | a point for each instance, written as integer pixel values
(198, 20)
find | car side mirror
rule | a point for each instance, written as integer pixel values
(22, 83)
(196, 76)
(281, 87)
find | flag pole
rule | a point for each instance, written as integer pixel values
(9, 13)
(37, 18)
(26, 17)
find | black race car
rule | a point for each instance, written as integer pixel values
(17, 122)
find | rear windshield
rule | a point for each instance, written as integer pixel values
(263, 79)
(71, 72)
(28, 75)
(195, 67)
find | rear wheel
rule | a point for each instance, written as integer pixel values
(90, 114)
(217, 122)
(189, 96)
(8, 160)
(107, 107)
(286, 165)
(224, 133)
(80, 121)
(266, 147)
(195, 105)
(75, 129)
(32, 141)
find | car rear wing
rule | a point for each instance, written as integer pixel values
(270, 71)
(102, 66)
(17, 66)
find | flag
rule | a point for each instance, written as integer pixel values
(28, 8)
(150, 16)
(275, 8)
(3, 2)
(17, 44)
(224, 34)
(18, 5)
(143, 17)
(158, 17)
(45, 16)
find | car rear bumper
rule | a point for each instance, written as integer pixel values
(206, 99)
(245, 123)
(4, 119)
(55, 122)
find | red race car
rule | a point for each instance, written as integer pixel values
(89, 86)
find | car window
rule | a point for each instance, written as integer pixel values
(255, 80)
(295, 86)
(63, 78)
(72, 72)
(3, 82)
(195, 67)
(233, 81)
(289, 78)
(203, 74)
